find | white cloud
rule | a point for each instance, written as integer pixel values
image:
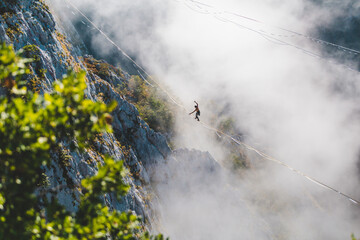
(302, 109)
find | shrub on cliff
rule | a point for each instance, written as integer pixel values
(154, 109)
(31, 127)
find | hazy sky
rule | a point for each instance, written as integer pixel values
(300, 108)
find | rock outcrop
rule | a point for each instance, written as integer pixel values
(30, 24)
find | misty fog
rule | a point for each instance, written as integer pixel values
(285, 96)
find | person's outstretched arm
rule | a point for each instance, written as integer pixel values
(196, 103)
(192, 112)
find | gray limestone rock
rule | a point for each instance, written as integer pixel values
(133, 141)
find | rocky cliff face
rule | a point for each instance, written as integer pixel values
(30, 24)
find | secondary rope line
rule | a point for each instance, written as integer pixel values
(215, 14)
(203, 11)
(274, 40)
(281, 28)
(260, 153)
(260, 32)
(282, 42)
(263, 34)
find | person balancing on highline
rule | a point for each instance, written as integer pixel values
(197, 110)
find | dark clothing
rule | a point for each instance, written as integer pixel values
(197, 115)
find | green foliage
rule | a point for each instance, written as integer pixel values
(12, 25)
(152, 108)
(13, 30)
(44, 181)
(11, 64)
(101, 68)
(236, 159)
(93, 220)
(64, 158)
(42, 72)
(31, 127)
(106, 180)
(353, 237)
(227, 125)
(42, 6)
(32, 51)
(35, 84)
(37, 71)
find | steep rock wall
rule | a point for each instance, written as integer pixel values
(56, 47)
